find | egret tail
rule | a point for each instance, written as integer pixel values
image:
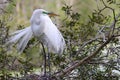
(21, 38)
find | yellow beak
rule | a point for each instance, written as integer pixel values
(52, 14)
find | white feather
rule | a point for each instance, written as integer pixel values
(21, 38)
(54, 38)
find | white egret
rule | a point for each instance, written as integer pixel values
(44, 30)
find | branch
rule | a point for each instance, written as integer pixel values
(88, 42)
(105, 64)
(68, 70)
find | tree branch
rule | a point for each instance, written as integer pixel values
(68, 70)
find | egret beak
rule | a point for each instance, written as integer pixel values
(52, 14)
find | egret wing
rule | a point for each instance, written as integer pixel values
(54, 38)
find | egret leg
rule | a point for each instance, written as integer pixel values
(44, 55)
(49, 64)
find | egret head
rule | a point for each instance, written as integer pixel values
(44, 12)
(41, 15)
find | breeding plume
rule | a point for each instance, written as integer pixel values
(41, 28)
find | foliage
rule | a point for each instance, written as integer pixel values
(92, 48)
(83, 39)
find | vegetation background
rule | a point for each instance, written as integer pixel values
(91, 30)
